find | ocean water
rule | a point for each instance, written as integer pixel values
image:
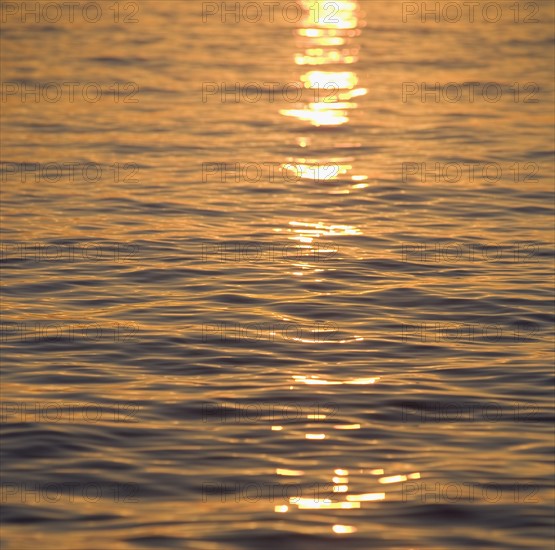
(280, 281)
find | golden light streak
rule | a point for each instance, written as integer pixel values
(307, 504)
(286, 472)
(347, 427)
(343, 529)
(365, 497)
(315, 436)
(399, 478)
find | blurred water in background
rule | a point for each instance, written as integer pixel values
(301, 311)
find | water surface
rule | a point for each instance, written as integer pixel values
(343, 330)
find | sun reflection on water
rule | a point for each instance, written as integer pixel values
(331, 86)
(341, 493)
(342, 498)
(321, 36)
